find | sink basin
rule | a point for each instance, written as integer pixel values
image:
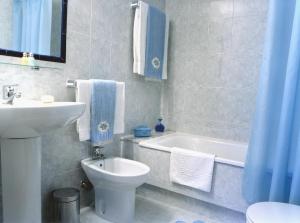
(21, 126)
(27, 118)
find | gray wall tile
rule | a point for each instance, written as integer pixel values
(79, 16)
(214, 63)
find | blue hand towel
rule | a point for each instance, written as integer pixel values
(103, 102)
(155, 43)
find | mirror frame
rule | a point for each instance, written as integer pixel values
(63, 40)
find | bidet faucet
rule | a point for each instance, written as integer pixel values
(97, 154)
(9, 93)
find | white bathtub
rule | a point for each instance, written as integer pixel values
(228, 170)
(227, 152)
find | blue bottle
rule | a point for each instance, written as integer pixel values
(159, 127)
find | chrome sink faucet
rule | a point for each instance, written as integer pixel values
(9, 93)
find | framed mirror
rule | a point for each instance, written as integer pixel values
(34, 26)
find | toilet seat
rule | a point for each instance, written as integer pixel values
(273, 212)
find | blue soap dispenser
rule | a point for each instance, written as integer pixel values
(159, 127)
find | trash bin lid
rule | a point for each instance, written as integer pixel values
(66, 194)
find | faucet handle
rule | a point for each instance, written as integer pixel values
(97, 152)
(9, 90)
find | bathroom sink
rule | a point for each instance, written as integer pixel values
(27, 118)
(21, 126)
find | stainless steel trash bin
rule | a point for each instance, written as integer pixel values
(67, 205)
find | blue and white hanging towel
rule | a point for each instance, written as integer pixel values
(84, 94)
(150, 42)
(103, 103)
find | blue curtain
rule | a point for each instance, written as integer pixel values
(32, 21)
(272, 171)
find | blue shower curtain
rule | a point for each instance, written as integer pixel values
(272, 171)
(32, 21)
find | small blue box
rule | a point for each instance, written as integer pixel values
(142, 131)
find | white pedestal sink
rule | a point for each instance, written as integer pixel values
(21, 125)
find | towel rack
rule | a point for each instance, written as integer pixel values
(134, 5)
(71, 83)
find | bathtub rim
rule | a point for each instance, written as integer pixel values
(147, 144)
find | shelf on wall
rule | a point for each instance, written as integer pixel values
(38, 67)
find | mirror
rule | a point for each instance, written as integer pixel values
(34, 26)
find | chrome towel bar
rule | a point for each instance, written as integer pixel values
(71, 83)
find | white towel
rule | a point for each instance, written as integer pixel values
(165, 67)
(83, 94)
(119, 124)
(139, 37)
(193, 169)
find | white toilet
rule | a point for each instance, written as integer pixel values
(273, 212)
(115, 180)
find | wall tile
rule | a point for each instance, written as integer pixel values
(79, 16)
(195, 9)
(248, 33)
(100, 58)
(214, 64)
(78, 54)
(100, 23)
(220, 34)
(250, 8)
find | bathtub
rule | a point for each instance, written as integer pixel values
(227, 152)
(228, 169)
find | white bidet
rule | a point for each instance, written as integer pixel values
(115, 180)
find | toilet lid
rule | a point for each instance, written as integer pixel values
(273, 212)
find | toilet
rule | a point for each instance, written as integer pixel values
(273, 212)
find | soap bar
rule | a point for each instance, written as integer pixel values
(47, 99)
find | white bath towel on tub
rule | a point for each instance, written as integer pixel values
(193, 169)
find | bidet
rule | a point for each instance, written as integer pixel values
(115, 181)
